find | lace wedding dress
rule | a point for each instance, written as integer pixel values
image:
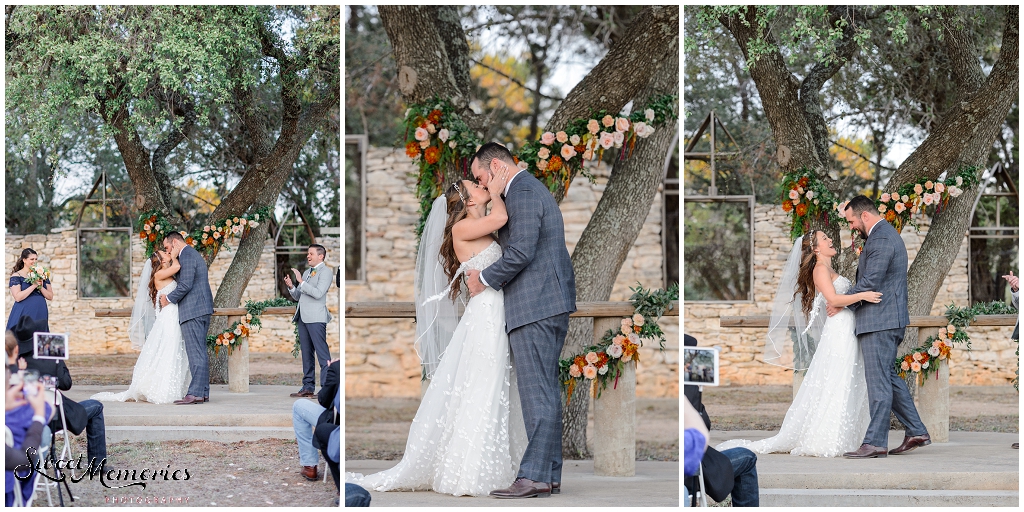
(829, 415)
(161, 373)
(468, 436)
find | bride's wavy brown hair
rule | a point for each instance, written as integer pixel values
(456, 211)
(805, 277)
(155, 263)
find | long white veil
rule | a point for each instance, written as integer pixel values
(435, 319)
(143, 312)
(792, 339)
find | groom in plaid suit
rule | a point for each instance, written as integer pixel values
(536, 275)
(880, 329)
(195, 306)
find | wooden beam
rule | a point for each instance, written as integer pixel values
(288, 310)
(915, 321)
(408, 309)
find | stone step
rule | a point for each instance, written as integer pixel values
(886, 498)
(199, 416)
(222, 434)
(911, 480)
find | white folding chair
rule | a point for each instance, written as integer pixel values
(702, 497)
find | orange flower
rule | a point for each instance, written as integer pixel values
(152, 237)
(803, 181)
(580, 149)
(432, 155)
(190, 241)
(434, 117)
(636, 329)
(787, 206)
(890, 215)
(152, 218)
(580, 360)
(142, 236)
(412, 150)
(555, 163)
(801, 209)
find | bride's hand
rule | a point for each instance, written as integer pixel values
(873, 297)
(496, 185)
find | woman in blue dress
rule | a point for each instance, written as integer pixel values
(29, 298)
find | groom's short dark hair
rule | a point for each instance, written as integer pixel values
(321, 250)
(174, 235)
(490, 151)
(861, 204)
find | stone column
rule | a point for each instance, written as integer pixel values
(932, 399)
(238, 365)
(615, 418)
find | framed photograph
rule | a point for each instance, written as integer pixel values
(50, 345)
(700, 366)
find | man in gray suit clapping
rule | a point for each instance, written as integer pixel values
(311, 315)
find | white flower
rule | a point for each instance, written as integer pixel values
(934, 352)
(431, 128)
(443, 135)
(619, 138)
(649, 114)
(256, 217)
(810, 194)
(602, 370)
(815, 201)
(254, 224)
(904, 198)
(924, 365)
(648, 131)
(959, 181)
(794, 195)
(421, 134)
(575, 140)
(523, 165)
(614, 351)
(634, 338)
(452, 144)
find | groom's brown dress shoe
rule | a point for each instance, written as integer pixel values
(309, 473)
(524, 488)
(302, 394)
(189, 399)
(866, 451)
(556, 487)
(911, 442)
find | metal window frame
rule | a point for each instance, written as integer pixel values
(78, 255)
(751, 204)
(362, 143)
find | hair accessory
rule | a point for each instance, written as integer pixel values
(459, 190)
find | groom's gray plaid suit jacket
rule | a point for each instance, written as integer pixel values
(192, 295)
(534, 270)
(882, 268)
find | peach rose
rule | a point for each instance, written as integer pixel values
(638, 319)
(574, 140)
(940, 187)
(542, 165)
(607, 140)
(916, 356)
(568, 151)
(916, 366)
(590, 371)
(561, 137)
(608, 121)
(523, 165)
(929, 185)
(881, 208)
(918, 189)
(951, 328)
(619, 138)
(622, 124)
(588, 155)
(900, 207)
(928, 199)
(547, 138)
(903, 366)
(431, 128)
(544, 153)
(574, 371)
(422, 134)
(593, 126)
(591, 357)
(618, 339)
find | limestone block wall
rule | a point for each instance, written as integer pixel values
(992, 360)
(380, 360)
(91, 335)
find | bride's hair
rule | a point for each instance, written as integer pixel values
(156, 264)
(805, 278)
(455, 199)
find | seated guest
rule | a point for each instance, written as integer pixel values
(306, 415)
(25, 415)
(11, 344)
(356, 496)
(86, 415)
(327, 433)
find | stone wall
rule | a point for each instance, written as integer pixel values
(379, 357)
(992, 360)
(92, 335)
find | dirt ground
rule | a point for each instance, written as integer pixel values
(971, 408)
(264, 369)
(377, 428)
(220, 474)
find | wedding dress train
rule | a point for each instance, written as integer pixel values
(829, 415)
(468, 436)
(161, 373)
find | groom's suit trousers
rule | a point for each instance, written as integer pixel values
(535, 348)
(194, 333)
(887, 391)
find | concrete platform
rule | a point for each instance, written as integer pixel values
(264, 412)
(656, 484)
(973, 469)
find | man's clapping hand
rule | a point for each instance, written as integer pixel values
(1013, 280)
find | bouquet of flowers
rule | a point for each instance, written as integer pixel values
(38, 273)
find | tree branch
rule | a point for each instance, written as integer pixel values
(515, 80)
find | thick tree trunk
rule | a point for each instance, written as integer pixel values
(609, 236)
(424, 64)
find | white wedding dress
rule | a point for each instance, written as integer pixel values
(829, 415)
(161, 373)
(468, 436)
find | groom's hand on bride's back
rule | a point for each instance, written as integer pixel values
(473, 282)
(832, 310)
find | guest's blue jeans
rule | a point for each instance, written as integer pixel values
(744, 466)
(95, 430)
(305, 412)
(356, 496)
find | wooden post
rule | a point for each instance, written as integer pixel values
(615, 417)
(932, 399)
(238, 364)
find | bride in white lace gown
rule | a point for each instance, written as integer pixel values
(468, 436)
(829, 415)
(161, 373)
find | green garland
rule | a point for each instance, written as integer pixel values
(435, 136)
(233, 335)
(924, 195)
(153, 226)
(926, 359)
(605, 361)
(805, 197)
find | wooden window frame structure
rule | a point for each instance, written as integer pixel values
(974, 233)
(362, 143)
(101, 183)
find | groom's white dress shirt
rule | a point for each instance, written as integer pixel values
(504, 194)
